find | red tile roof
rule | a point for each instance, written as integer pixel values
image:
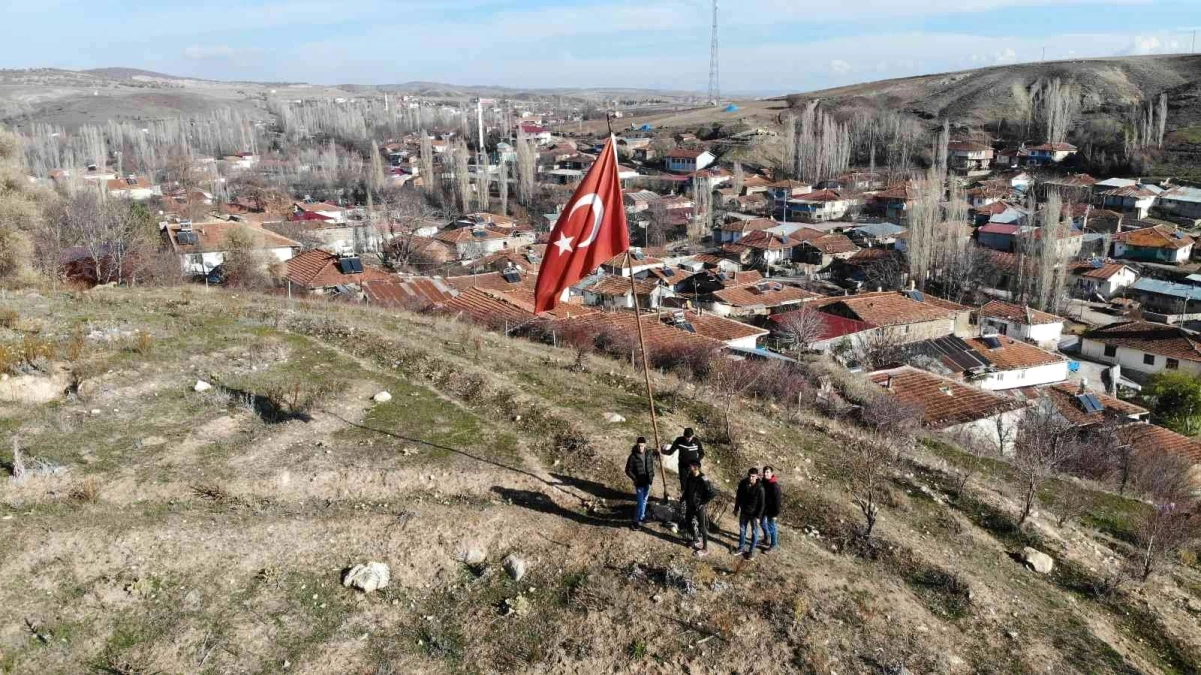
(887, 308)
(716, 327)
(1150, 438)
(467, 235)
(319, 269)
(999, 228)
(1014, 355)
(680, 153)
(660, 337)
(819, 196)
(1063, 397)
(624, 259)
(765, 241)
(833, 243)
(1017, 313)
(944, 402)
(1089, 271)
(1152, 338)
(211, 237)
(412, 293)
(763, 294)
(751, 225)
(618, 286)
(1159, 236)
(491, 280)
(1057, 147)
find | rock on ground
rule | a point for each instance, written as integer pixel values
(614, 418)
(473, 556)
(1037, 560)
(201, 385)
(515, 566)
(382, 397)
(368, 577)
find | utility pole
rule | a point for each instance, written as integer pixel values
(1044, 53)
(1193, 49)
(714, 84)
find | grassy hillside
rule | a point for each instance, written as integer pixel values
(166, 530)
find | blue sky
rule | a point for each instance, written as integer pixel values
(768, 46)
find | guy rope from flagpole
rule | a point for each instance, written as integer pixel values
(646, 373)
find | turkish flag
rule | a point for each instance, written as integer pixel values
(591, 230)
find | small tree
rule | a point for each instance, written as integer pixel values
(889, 417)
(805, 326)
(869, 463)
(880, 348)
(1175, 399)
(1165, 530)
(731, 379)
(974, 452)
(1045, 442)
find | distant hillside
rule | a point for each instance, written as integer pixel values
(987, 96)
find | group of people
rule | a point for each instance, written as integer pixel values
(756, 503)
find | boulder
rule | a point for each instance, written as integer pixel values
(367, 577)
(473, 556)
(515, 566)
(614, 418)
(382, 397)
(201, 386)
(1037, 560)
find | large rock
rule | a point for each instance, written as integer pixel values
(515, 566)
(368, 577)
(382, 397)
(1037, 560)
(201, 386)
(473, 556)
(614, 418)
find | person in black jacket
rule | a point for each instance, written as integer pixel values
(748, 506)
(773, 498)
(691, 452)
(696, 496)
(640, 468)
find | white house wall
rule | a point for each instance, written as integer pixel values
(1027, 377)
(1132, 359)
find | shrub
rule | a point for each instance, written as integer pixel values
(141, 342)
(35, 351)
(86, 490)
(76, 345)
(9, 317)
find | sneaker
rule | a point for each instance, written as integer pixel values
(750, 555)
(736, 550)
(701, 552)
(635, 526)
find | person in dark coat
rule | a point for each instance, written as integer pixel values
(773, 498)
(640, 468)
(691, 452)
(698, 492)
(748, 506)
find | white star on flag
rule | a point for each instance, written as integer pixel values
(564, 244)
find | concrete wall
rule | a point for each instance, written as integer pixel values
(1028, 377)
(986, 430)
(1132, 359)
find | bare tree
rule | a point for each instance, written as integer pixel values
(526, 168)
(805, 326)
(889, 417)
(1164, 531)
(503, 185)
(737, 181)
(975, 450)
(1163, 119)
(1045, 442)
(426, 159)
(731, 379)
(1058, 104)
(702, 222)
(869, 463)
(880, 348)
(460, 156)
(924, 218)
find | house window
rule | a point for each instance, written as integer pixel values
(1111, 350)
(1149, 359)
(1173, 364)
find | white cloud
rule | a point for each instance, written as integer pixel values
(218, 51)
(841, 67)
(1005, 56)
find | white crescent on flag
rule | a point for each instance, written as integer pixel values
(598, 215)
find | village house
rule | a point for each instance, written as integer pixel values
(319, 211)
(688, 161)
(1021, 322)
(986, 195)
(875, 234)
(535, 132)
(1166, 297)
(768, 248)
(900, 317)
(635, 260)
(1086, 408)
(998, 237)
(735, 230)
(894, 203)
(637, 201)
(835, 334)
(1098, 277)
(1143, 347)
(1182, 203)
(1136, 200)
(817, 207)
(202, 248)
(969, 157)
(733, 334)
(413, 293)
(137, 188)
(1159, 244)
(821, 251)
(616, 292)
(318, 271)
(505, 280)
(1049, 153)
(784, 190)
(756, 299)
(1014, 364)
(954, 407)
(481, 240)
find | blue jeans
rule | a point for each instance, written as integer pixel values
(743, 523)
(641, 494)
(771, 531)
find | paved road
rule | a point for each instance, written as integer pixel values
(1089, 312)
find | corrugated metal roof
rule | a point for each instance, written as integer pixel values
(1168, 288)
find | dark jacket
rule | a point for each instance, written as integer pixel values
(748, 503)
(690, 451)
(773, 497)
(640, 467)
(697, 491)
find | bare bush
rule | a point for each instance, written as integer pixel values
(18, 466)
(869, 464)
(86, 491)
(1045, 443)
(1165, 531)
(804, 326)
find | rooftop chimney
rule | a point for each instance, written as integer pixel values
(1083, 386)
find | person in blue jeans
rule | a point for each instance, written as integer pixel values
(773, 497)
(640, 468)
(748, 506)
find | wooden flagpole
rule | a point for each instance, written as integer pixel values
(646, 372)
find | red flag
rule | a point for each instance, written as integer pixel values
(591, 230)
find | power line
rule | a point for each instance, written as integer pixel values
(714, 86)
